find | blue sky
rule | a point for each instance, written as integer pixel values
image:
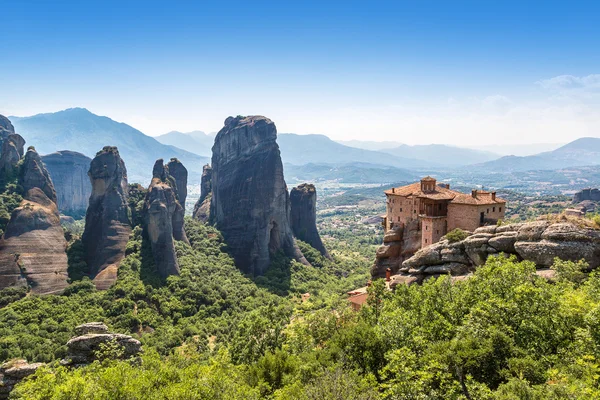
(460, 72)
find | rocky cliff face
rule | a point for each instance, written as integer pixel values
(250, 202)
(163, 220)
(107, 225)
(303, 214)
(399, 243)
(32, 250)
(12, 151)
(13, 372)
(6, 127)
(539, 242)
(68, 170)
(34, 174)
(180, 174)
(202, 206)
(586, 194)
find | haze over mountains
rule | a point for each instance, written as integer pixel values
(306, 157)
(580, 152)
(77, 129)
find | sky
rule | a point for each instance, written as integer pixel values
(417, 72)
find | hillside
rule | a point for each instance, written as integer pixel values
(197, 141)
(370, 144)
(580, 152)
(77, 129)
(319, 149)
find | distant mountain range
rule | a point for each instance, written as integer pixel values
(370, 144)
(196, 141)
(77, 129)
(580, 152)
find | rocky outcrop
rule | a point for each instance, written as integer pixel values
(540, 242)
(87, 346)
(68, 171)
(399, 243)
(202, 206)
(180, 174)
(303, 215)
(11, 147)
(13, 372)
(586, 194)
(32, 250)
(250, 202)
(33, 174)
(107, 225)
(163, 220)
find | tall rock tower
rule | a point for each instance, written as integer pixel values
(107, 225)
(304, 216)
(250, 203)
(163, 220)
(202, 206)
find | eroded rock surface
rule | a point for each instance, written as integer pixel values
(33, 174)
(107, 225)
(69, 173)
(87, 347)
(11, 147)
(163, 220)
(399, 243)
(540, 242)
(303, 199)
(202, 206)
(13, 372)
(32, 250)
(250, 202)
(180, 174)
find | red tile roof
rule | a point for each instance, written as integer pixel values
(443, 193)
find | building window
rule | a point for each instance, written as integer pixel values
(488, 211)
(437, 231)
(400, 209)
(493, 209)
(425, 241)
(426, 227)
(500, 209)
(398, 219)
(414, 211)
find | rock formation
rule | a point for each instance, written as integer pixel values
(539, 242)
(6, 127)
(163, 220)
(399, 243)
(180, 174)
(11, 147)
(107, 225)
(202, 206)
(586, 194)
(13, 372)
(32, 250)
(303, 200)
(250, 202)
(33, 174)
(68, 170)
(84, 348)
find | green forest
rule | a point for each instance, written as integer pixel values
(213, 333)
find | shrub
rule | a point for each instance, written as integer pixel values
(456, 235)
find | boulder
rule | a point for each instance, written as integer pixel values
(303, 214)
(33, 174)
(107, 224)
(180, 175)
(68, 171)
(84, 348)
(13, 372)
(250, 203)
(33, 248)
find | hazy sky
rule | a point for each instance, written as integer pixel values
(468, 73)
